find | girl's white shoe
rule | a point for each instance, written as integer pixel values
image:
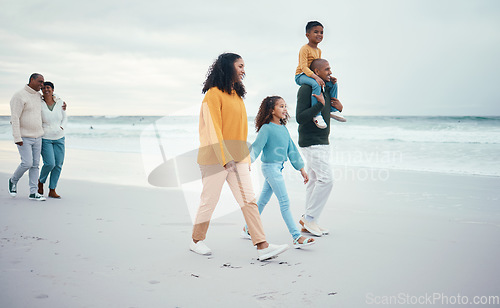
(306, 242)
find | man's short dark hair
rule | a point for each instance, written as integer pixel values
(316, 63)
(312, 24)
(34, 76)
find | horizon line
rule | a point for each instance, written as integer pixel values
(355, 115)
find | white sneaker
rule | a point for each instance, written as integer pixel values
(200, 248)
(325, 231)
(311, 227)
(37, 197)
(320, 123)
(271, 251)
(337, 116)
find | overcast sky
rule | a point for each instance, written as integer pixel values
(119, 57)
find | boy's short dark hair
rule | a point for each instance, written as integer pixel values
(312, 24)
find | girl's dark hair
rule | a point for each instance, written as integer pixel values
(265, 113)
(48, 83)
(222, 75)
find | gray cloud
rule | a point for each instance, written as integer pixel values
(127, 57)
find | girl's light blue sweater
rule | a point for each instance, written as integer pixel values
(276, 145)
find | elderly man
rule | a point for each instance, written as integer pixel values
(26, 120)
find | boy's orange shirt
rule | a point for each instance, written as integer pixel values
(223, 129)
(306, 55)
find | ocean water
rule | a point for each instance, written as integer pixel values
(462, 145)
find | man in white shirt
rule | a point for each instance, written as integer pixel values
(26, 120)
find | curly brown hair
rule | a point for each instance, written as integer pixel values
(221, 74)
(265, 114)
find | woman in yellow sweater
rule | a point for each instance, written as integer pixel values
(223, 155)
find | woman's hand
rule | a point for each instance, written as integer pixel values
(304, 175)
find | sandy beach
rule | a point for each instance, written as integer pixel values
(114, 241)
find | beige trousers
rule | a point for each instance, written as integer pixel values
(240, 182)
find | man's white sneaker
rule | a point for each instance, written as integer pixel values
(200, 248)
(337, 116)
(12, 188)
(320, 123)
(271, 251)
(325, 231)
(311, 227)
(37, 197)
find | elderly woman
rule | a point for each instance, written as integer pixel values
(53, 121)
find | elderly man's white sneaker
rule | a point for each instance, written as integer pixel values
(36, 197)
(200, 248)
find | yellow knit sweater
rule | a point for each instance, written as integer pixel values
(306, 55)
(223, 129)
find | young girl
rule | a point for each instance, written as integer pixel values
(276, 146)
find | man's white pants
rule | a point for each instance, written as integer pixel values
(320, 179)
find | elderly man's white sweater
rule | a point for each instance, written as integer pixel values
(26, 114)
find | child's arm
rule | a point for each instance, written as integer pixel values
(294, 155)
(320, 81)
(296, 159)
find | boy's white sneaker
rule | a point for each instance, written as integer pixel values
(320, 123)
(337, 116)
(200, 248)
(271, 252)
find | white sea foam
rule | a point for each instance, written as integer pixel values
(464, 145)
